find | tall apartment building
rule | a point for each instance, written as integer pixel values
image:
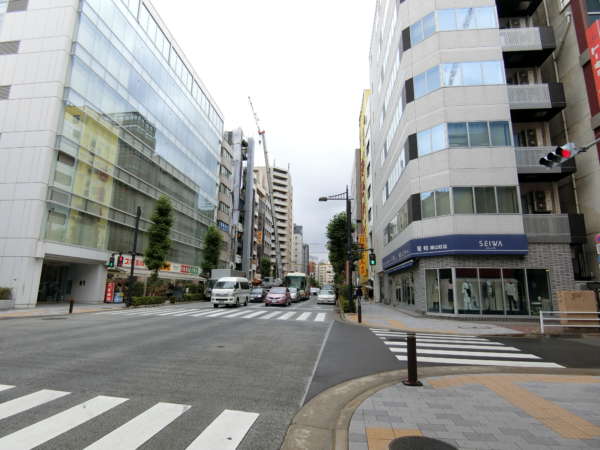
(225, 207)
(305, 258)
(264, 244)
(283, 210)
(100, 113)
(298, 249)
(325, 274)
(465, 101)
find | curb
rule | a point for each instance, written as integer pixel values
(323, 422)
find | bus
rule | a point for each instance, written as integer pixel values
(299, 281)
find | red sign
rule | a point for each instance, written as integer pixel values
(593, 38)
(109, 294)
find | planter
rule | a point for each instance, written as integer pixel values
(6, 304)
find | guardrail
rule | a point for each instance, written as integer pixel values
(561, 319)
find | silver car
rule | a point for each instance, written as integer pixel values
(326, 296)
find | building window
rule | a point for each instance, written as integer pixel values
(369, 192)
(593, 8)
(427, 205)
(485, 200)
(463, 200)
(507, 200)
(432, 140)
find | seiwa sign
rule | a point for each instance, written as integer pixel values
(459, 244)
(169, 267)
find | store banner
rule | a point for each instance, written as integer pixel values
(171, 267)
(109, 294)
(593, 38)
(459, 244)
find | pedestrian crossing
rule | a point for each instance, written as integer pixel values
(225, 432)
(246, 313)
(460, 350)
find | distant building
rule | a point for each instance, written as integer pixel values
(298, 250)
(325, 274)
(225, 208)
(305, 257)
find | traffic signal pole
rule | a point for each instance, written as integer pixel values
(133, 252)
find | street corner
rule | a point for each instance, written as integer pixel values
(491, 411)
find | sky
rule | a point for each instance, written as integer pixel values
(305, 65)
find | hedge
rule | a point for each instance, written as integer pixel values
(138, 301)
(188, 298)
(4, 293)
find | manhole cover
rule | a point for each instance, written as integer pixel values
(419, 443)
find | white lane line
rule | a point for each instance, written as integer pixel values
(5, 387)
(271, 315)
(320, 317)
(254, 314)
(236, 314)
(192, 311)
(221, 313)
(458, 346)
(429, 336)
(484, 362)
(141, 428)
(204, 313)
(427, 351)
(304, 316)
(170, 313)
(429, 339)
(286, 316)
(377, 330)
(157, 311)
(26, 402)
(47, 429)
(225, 432)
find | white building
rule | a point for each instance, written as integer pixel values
(298, 250)
(325, 274)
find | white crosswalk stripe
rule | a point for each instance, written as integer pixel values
(460, 350)
(297, 315)
(225, 432)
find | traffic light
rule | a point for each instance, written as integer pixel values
(372, 259)
(120, 260)
(560, 155)
(111, 261)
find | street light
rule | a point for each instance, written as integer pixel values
(349, 256)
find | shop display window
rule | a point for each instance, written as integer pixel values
(467, 291)
(490, 282)
(514, 291)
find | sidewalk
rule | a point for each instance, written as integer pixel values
(58, 309)
(486, 411)
(377, 315)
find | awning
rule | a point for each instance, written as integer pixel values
(402, 266)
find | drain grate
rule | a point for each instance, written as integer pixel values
(419, 443)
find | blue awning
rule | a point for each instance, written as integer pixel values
(402, 266)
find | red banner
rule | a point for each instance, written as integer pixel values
(593, 38)
(109, 295)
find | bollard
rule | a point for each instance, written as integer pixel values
(71, 306)
(359, 310)
(411, 357)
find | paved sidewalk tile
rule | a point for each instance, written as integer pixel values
(492, 411)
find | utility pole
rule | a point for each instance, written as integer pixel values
(261, 133)
(349, 255)
(133, 253)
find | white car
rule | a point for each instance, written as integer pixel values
(294, 294)
(314, 291)
(326, 296)
(233, 291)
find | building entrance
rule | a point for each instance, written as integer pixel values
(54, 285)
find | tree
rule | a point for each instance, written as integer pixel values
(336, 244)
(265, 267)
(213, 242)
(313, 282)
(159, 243)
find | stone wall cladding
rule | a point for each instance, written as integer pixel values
(555, 257)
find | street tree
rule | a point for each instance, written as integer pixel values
(159, 244)
(265, 267)
(337, 235)
(213, 243)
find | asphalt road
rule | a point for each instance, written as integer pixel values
(211, 364)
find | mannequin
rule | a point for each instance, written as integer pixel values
(467, 292)
(512, 295)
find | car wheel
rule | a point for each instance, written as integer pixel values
(246, 302)
(215, 306)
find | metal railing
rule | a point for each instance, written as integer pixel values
(594, 314)
(523, 96)
(528, 160)
(547, 227)
(514, 39)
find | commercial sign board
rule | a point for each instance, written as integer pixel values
(109, 294)
(593, 39)
(459, 244)
(171, 267)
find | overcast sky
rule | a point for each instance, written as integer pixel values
(305, 65)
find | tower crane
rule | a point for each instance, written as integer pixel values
(261, 133)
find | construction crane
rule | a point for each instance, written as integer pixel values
(261, 133)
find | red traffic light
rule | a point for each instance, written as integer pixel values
(563, 152)
(120, 260)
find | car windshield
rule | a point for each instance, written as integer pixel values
(257, 291)
(326, 292)
(293, 290)
(225, 285)
(277, 290)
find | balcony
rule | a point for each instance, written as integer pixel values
(517, 8)
(530, 169)
(535, 102)
(526, 47)
(554, 228)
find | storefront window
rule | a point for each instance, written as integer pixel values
(539, 290)
(467, 291)
(514, 291)
(491, 291)
(446, 291)
(432, 288)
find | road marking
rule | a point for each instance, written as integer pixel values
(458, 346)
(212, 311)
(156, 311)
(170, 313)
(404, 333)
(429, 336)
(430, 339)
(484, 362)
(271, 315)
(5, 387)
(320, 317)
(225, 432)
(426, 351)
(45, 430)
(304, 316)
(26, 402)
(141, 428)
(217, 314)
(286, 316)
(192, 311)
(254, 314)
(235, 314)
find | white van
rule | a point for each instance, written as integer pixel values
(230, 291)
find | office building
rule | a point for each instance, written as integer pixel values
(100, 113)
(305, 258)
(465, 101)
(325, 274)
(225, 206)
(298, 250)
(264, 245)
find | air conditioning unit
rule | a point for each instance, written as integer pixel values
(539, 202)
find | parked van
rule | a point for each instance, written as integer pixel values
(230, 291)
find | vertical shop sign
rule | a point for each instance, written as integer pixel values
(109, 294)
(593, 38)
